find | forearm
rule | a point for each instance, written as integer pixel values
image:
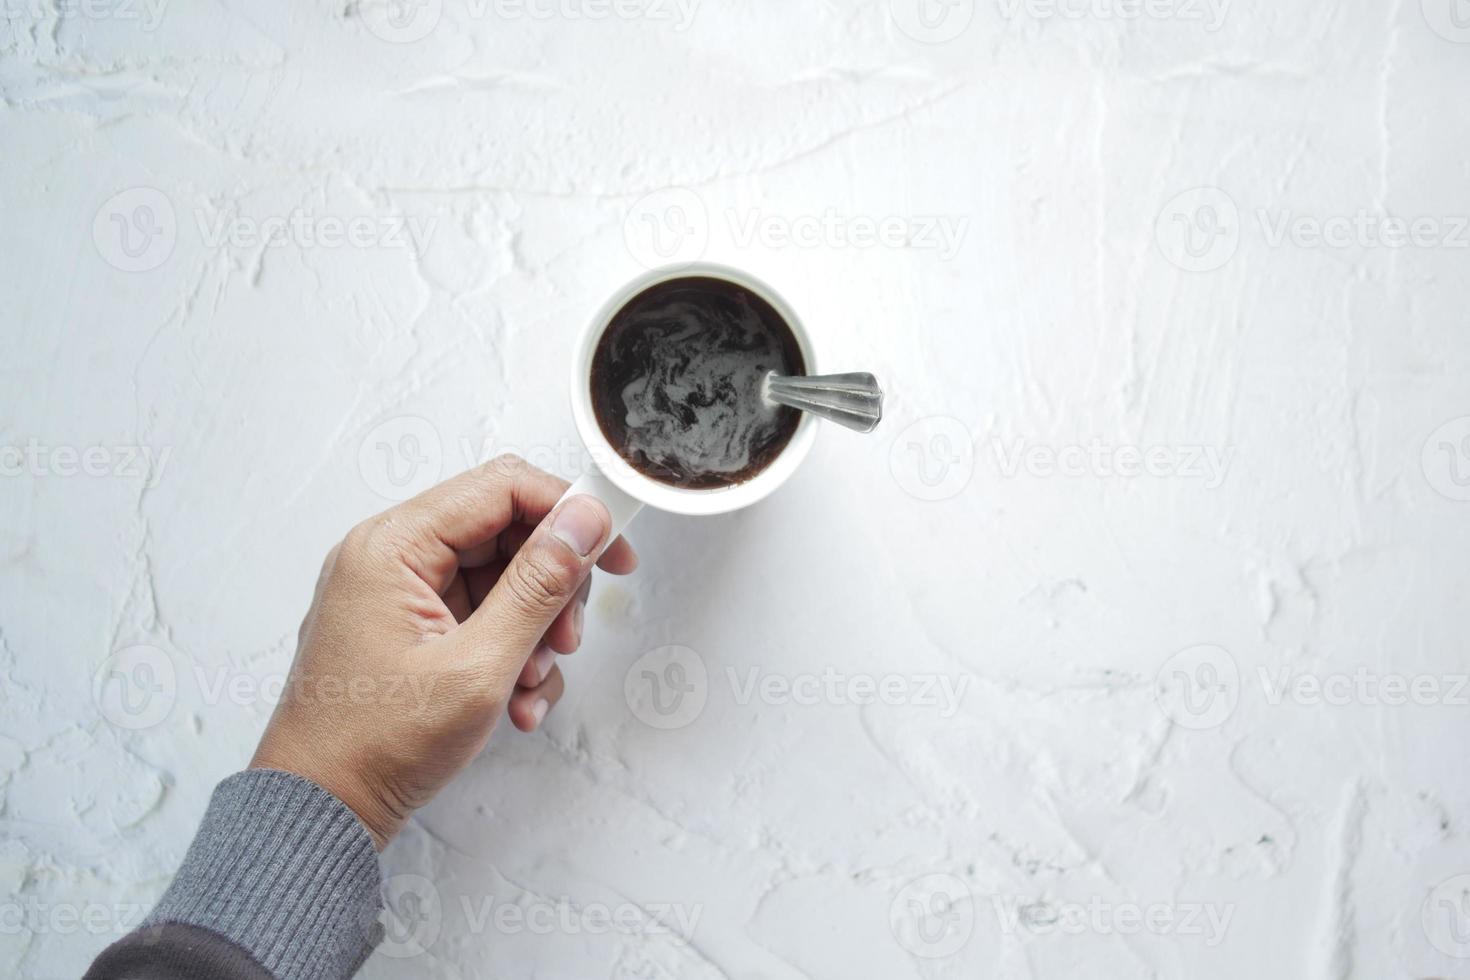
(281, 882)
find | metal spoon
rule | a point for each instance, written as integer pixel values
(853, 400)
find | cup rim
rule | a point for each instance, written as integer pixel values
(644, 488)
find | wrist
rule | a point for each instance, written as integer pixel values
(378, 818)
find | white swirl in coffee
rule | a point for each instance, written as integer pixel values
(677, 378)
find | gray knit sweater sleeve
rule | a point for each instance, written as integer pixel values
(282, 880)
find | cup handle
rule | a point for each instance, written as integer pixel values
(620, 506)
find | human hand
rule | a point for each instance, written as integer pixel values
(428, 621)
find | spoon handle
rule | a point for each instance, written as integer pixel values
(853, 400)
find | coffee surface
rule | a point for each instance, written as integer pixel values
(676, 383)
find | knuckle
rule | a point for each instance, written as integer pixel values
(354, 548)
(540, 582)
(373, 539)
(354, 540)
(507, 465)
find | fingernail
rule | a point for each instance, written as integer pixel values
(539, 709)
(541, 661)
(580, 524)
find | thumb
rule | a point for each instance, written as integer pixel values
(540, 580)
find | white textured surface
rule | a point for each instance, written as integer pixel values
(1052, 314)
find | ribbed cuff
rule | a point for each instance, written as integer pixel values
(286, 871)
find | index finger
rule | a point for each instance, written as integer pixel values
(457, 522)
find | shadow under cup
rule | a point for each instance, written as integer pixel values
(677, 377)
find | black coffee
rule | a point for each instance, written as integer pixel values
(676, 383)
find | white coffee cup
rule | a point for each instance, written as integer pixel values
(622, 488)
